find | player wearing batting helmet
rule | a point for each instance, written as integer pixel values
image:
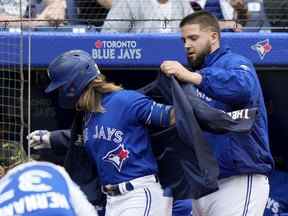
(115, 134)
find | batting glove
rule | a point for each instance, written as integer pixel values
(39, 139)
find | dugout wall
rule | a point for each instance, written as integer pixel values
(46, 113)
(133, 61)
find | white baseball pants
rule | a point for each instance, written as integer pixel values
(146, 199)
(244, 195)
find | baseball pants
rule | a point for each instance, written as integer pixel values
(147, 199)
(244, 195)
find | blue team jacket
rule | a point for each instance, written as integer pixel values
(185, 159)
(230, 82)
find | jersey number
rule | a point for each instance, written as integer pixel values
(31, 181)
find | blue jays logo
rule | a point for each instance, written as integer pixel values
(262, 48)
(117, 156)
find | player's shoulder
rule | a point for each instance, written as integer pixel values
(234, 60)
(128, 96)
(39, 165)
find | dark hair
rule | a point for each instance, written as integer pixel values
(204, 19)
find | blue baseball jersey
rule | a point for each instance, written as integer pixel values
(34, 190)
(277, 204)
(118, 140)
(41, 189)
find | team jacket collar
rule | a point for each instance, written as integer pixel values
(213, 57)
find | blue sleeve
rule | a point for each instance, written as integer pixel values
(146, 111)
(233, 83)
(60, 140)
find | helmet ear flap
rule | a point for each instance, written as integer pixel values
(67, 97)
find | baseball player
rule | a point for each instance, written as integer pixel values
(40, 189)
(115, 134)
(227, 81)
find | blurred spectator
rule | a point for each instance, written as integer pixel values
(41, 12)
(153, 15)
(105, 3)
(214, 7)
(92, 12)
(250, 14)
(277, 13)
(146, 15)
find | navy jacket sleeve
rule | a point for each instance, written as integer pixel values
(231, 81)
(60, 141)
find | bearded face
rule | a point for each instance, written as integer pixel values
(198, 43)
(197, 57)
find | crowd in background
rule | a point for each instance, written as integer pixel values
(146, 15)
(142, 16)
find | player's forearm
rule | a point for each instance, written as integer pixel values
(190, 77)
(10, 21)
(182, 73)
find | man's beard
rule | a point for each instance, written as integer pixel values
(199, 60)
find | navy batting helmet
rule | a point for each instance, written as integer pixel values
(70, 73)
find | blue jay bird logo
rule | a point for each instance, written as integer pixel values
(117, 156)
(262, 48)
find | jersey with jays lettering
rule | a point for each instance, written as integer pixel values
(118, 139)
(41, 189)
(277, 204)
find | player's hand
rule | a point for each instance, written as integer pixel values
(39, 139)
(175, 68)
(178, 70)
